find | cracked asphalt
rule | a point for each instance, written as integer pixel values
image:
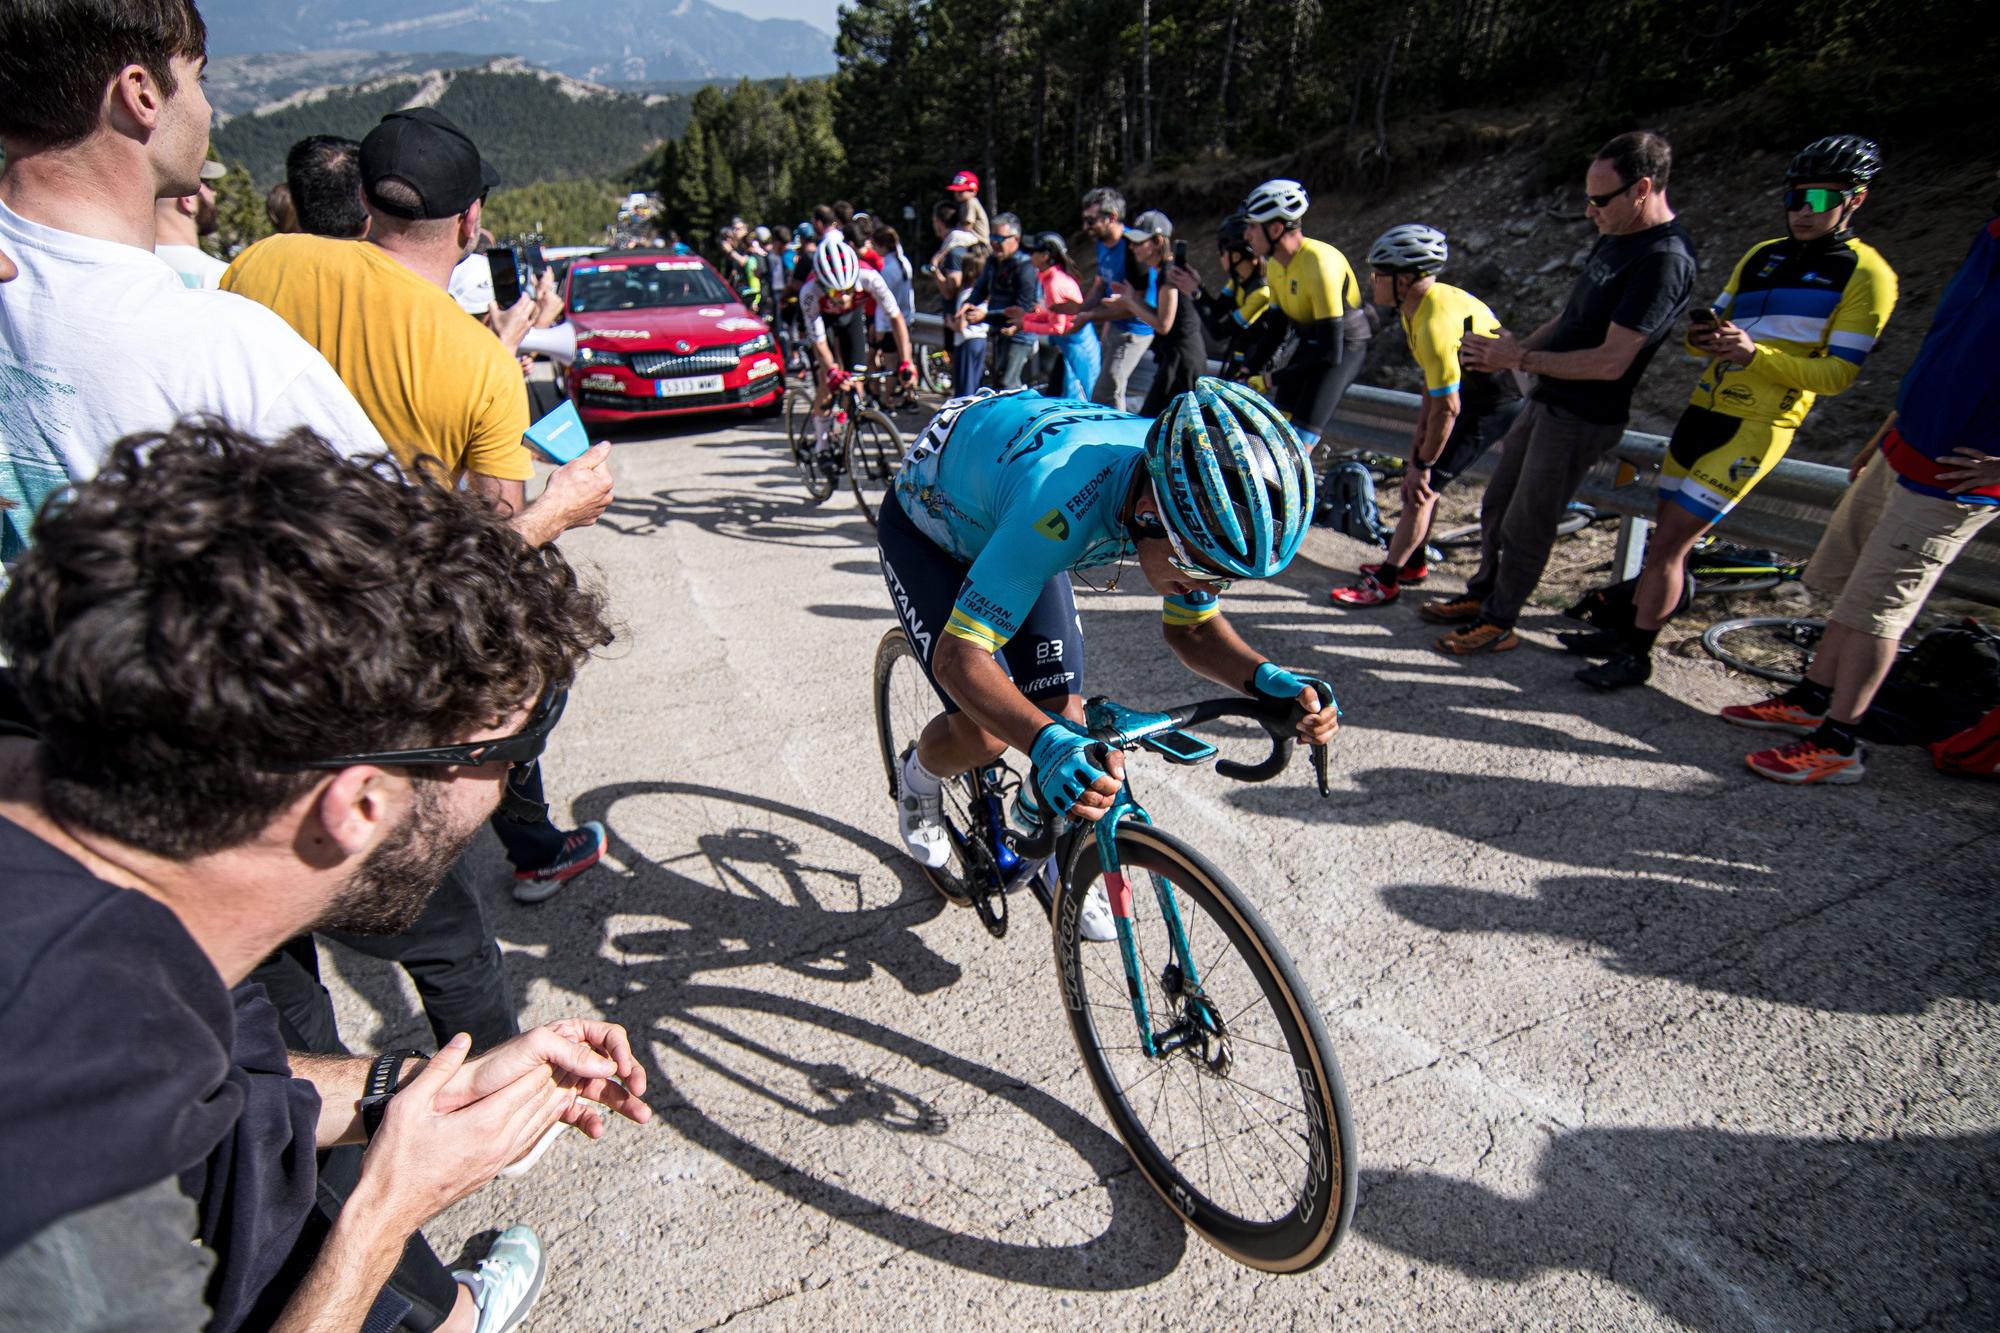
(1633, 1039)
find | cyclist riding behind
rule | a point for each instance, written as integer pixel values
(999, 499)
(833, 297)
(1797, 320)
(1229, 317)
(1464, 413)
(1313, 292)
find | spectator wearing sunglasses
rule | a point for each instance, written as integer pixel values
(213, 746)
(1632, 293)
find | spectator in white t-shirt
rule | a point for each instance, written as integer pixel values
(179, 224)
(98, 338)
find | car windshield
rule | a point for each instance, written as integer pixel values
(644, 286)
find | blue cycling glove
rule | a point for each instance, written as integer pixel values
(1061, 764)
(1274, 682)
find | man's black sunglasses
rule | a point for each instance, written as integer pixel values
(522, 747)
(1600, 200)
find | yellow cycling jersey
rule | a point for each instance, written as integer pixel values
(1250, 304)
(1318, 284)
(1814, 309)
(1436, 330)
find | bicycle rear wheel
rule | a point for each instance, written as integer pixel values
(934, 369)
(904, 705)
(874, 452)
(1245, 1131)
(1776, 648)
(812, 469)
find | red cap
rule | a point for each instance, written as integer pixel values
(964, 180)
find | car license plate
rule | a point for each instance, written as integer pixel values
(690, 384)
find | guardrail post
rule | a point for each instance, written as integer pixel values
(1631, 554)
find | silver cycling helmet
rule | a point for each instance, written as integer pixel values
(1409, 248)
(1276, 201)
(836, 265)
(1233, 480)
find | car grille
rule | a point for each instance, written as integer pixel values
(618, 402)
(664, 365)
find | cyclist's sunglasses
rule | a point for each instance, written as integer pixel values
(522, 747)
(1150, 525)
(1600, 200)
(1816, 200)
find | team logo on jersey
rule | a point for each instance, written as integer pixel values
(1054, 525)
(1745, 466)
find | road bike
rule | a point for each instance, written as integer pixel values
(1778, 648)
(865, 444)
(1203, 1044)
(1576, 517)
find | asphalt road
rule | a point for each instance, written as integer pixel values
(1633, 1039)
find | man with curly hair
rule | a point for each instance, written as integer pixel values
(264, 689)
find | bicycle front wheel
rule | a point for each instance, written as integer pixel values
(1242, 1125)
(812, 468)
(874, 452)
(1776, 648)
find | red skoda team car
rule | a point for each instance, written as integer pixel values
(660, 334)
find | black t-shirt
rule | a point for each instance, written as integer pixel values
(130, 1062)
(1643, 281)
(1183, 341)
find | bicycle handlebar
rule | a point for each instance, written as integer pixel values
(1278, 718)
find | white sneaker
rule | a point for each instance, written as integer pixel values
(921, 821)
(1095, 922)
(507, 1281)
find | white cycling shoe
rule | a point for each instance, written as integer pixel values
(1095, 922)
(920, 819)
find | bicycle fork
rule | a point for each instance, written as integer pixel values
(1179, 978)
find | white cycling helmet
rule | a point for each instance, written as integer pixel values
(836, 265)
(1276, 201)
(1233, 480)
(1409, 248)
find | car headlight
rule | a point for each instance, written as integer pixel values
(761, 343)
(597, 356)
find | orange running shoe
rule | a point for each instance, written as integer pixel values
(1478, 637)
(1450, 610)
(1807, 761)
(1773, 714)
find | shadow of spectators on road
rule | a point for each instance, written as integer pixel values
(1718, 1230)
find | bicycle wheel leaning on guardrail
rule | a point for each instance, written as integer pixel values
(1776, 648)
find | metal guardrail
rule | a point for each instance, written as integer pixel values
(1786, 512)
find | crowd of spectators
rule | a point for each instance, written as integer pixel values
(284, 628)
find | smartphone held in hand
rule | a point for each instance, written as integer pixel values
(507, 285)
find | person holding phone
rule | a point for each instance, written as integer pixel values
(1464, 413)
(1180, 356)
(1229, 317)
(1796, 320)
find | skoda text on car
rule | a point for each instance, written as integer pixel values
(661, 334)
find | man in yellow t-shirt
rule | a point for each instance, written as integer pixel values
(433, 380)
(1464, 413)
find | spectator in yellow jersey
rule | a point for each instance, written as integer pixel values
(1797, 319)
(1464, 413)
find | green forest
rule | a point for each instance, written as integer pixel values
(1045, 100)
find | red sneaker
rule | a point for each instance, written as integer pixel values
(1411, 573)
(1369, 592)
(1806, 761)
(1773, 714)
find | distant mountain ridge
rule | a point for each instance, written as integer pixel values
(626, 40)
(532, 124)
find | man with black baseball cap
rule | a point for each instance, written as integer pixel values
(436, 161)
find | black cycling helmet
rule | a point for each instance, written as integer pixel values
(1838, 157)
(1234, 233)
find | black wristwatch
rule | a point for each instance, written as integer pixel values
(381, 1085)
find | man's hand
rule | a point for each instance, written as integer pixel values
(1416, 487)
(591, 1057)
(548, 301)
(1322, 717)
(1500, 352)
(1187, 278)
(1067, 779)
(1066, 307)
(510, 326)
(974, 314)
(1725, 341)
(1013, 316)
(425, 1157)
(839, 379)
(906, 371)
(1969, 470)
(579, 491)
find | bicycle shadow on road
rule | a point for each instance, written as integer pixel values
(1719, 1230)
(836, 1102)
(770, 520)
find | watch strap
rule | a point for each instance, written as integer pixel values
(380, 1086)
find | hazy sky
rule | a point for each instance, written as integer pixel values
(820, 13)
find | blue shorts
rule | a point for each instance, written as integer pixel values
(1044, 659)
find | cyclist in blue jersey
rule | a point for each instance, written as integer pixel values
(1001, 496)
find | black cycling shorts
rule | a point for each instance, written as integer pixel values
(1044, 659)
(847, 338)
(1470, 437)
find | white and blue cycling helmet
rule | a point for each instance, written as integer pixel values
(1233, 480)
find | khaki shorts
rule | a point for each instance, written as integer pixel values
(1886, 547)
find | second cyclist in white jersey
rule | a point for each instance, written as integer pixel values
(835, 304)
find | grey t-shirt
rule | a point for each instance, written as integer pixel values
(130, 1263)
(1644, 282)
